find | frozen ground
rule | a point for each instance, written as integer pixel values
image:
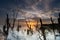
(22, 35)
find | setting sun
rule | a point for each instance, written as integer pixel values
(32, 24)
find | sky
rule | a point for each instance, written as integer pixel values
(29, 8)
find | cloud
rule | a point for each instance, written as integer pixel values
(29, 8)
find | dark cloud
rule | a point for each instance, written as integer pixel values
(55, 4)
(28, 7)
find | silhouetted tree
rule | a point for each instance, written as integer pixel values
(27, 31)
(14, 17)
(37, 29)
(6, 26)
(59, 19)
(19, 26)
(13, 24)
(42, 29)
(53, 27)
(59, 23)
(30, 29)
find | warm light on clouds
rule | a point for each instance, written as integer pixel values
(30, 8)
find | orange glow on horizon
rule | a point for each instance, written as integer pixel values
(32, 24)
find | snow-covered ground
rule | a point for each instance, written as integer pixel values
(22, 35)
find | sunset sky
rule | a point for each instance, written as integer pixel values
(29, 9)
